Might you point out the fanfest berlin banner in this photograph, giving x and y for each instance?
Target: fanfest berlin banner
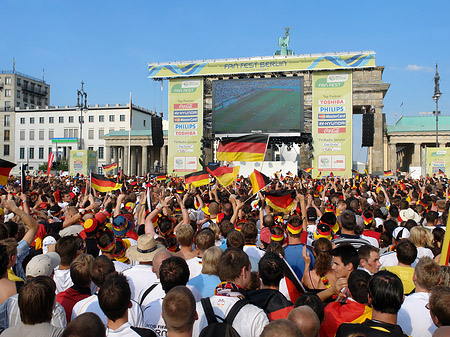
(438, 158)
(262, 64)
(332, 123)
(185, 125)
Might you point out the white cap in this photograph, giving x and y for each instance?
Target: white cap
(43, 264)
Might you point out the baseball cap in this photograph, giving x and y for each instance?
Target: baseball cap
(43, 264)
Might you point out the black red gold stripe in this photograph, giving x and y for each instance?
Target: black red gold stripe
(245, 148)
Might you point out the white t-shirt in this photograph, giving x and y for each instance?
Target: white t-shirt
(195, 266)
(422, 252)
(372, 241)
(62, 279)
(388, 259)
(140, 277)
(254, 251)
(156, 294)
(126, 330)
(414, 318)
(120, 266)
(249, 322)
(90, 304)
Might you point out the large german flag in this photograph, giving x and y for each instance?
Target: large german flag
(259, 181)
(388, 173)
(196, 179)
(225, 175)
(5, 168)
(281, 200)
(103, 184)
(245, 148)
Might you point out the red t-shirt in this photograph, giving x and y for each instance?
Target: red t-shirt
(69, 297)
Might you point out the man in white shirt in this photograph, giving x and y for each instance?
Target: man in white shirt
(68, 248)
(114, 298)
(141, 276)
(234, 272)
(102, 267)
(414, 317)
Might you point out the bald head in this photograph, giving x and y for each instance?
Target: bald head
(306, 320)
(443, 331)
(159, 258)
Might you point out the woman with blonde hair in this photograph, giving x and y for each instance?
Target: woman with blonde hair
(418, 235)
(322, 276)
(207, 281)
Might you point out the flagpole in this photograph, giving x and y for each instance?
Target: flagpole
(267, 144)
(129, 136)
(256, 193)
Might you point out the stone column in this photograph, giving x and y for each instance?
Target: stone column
(162, 158)
(416, 156)
(392, 157)
(377, 149)
(116, 158)
(138, 161)
(133, 160)
(144, 160)
(108, 155)
(125, 160)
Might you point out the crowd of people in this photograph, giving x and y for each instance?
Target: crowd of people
(342, 257)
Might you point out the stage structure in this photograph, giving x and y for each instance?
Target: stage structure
(298, 99)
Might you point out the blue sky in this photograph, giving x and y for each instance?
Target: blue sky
(108, 44)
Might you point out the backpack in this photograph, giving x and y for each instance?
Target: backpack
(223, 328)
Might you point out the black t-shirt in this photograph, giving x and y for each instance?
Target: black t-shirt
(371, 328)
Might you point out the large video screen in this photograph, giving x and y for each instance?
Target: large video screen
(268, 105)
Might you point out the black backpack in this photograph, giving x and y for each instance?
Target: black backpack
(223, 328)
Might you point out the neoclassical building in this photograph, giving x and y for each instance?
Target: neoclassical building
(405, 141)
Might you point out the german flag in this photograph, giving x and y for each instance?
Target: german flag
(365, 170)
(5, 168)
(355, 172)
(109, 167)
(224, 175)
(445, 254)
(161, 178)
(259, 181)
(441, 172)
(103, 184)
(388, 173)
(320, 173)
(280, 200)
(245, 148)
(308, 170)
(196, 179)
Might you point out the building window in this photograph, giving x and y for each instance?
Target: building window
(91, 119)
(41, 134)
(90, 148)
(101, 150)
(122, 118)
(25, 97)
(18, 82)
(91, 134)
(6, 150)
(7, 121)
(66, 133)
(22, 135)
(41, 153)
(22, 153)
(111, 118)
(32, 86)
(7, 80)
(7, 92)
(51, 120)
(101, 118)
(144, 122)
(111, 154)
(22, 120)
(50, 150)
(101, 132)
(61, 119)
(6, 135)
(51, 134)
(75, 133)
(31, 152)
(70, 119)
(41, 120)
(7, 106)
(31, 120)
(31, 134)
(18, 93)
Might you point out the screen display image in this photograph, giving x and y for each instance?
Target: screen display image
(269, 105)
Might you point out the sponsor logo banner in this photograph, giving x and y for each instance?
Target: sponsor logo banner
(332, 122)
(185, 119)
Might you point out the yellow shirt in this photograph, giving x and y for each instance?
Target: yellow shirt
(405, 274)
(13, 277)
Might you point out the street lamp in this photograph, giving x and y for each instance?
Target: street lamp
(81, 106)
(436, 96)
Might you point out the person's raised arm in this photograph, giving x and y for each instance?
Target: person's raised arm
(26, 218)
(239, 205)
(120, 199)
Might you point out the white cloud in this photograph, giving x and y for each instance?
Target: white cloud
(415, 67)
